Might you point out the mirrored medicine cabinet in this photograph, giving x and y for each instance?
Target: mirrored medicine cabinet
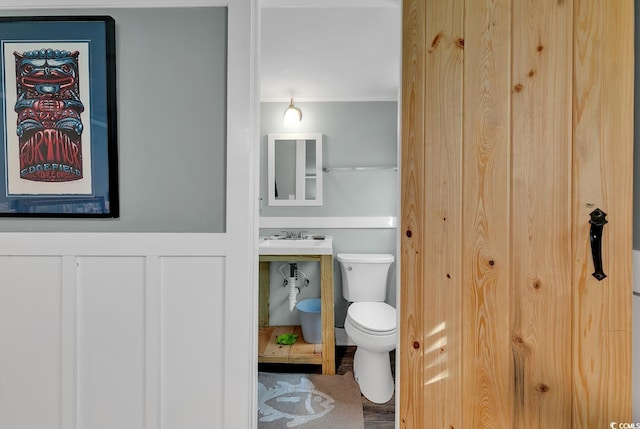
(294, 169)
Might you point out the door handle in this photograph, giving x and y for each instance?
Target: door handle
(598, 220)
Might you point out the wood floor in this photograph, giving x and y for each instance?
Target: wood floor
(376, 416)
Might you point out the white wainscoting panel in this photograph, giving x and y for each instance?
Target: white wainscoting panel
(635, 394)
(635, 331)
(636, 271)
(30, 342)
(192, 313)
(111, 338)
(102, 341)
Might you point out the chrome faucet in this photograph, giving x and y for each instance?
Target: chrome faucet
(290, 235)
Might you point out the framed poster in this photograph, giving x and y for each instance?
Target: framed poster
(58, 121)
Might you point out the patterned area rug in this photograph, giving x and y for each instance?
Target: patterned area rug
(309, 401)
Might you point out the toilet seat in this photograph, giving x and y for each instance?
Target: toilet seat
(373, 318)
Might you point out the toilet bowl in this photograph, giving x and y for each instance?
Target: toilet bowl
(370, 322)
(372, 328)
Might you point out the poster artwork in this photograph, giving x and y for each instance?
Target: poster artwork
(49, 124)
(58, 121)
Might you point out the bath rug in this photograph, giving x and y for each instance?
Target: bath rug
(309, 401)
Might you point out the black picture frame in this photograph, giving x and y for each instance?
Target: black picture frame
(59, 127)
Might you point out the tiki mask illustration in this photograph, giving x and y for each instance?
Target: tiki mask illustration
(49, 125)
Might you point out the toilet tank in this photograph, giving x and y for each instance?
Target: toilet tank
(364, 276)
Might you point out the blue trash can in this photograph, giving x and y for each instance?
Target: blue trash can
(310, 320)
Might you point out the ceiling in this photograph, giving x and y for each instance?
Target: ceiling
(330, 50)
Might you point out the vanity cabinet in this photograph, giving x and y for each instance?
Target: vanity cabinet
(300, 352)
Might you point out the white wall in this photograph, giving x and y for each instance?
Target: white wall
(636, 359)
(140, 330)
(636, 336)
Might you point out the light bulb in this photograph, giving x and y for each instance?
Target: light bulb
(292, 116)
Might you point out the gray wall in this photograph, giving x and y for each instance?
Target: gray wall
(354, 134)
(171, 90)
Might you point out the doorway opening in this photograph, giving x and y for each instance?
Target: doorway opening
(341, 66)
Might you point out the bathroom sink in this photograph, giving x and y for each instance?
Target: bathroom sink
(276, 245)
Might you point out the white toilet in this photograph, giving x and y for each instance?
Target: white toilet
(370, 322)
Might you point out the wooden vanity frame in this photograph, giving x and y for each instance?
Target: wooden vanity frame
(301, 352)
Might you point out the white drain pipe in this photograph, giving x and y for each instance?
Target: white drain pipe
(293, 282)
(294, 290)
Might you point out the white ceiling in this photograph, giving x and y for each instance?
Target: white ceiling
(330, 50)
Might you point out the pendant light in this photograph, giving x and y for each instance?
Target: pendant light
(292, 116)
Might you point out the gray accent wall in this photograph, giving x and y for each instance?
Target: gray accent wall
(355, 134)
(171, 92)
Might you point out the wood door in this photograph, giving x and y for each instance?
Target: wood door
(517, 122)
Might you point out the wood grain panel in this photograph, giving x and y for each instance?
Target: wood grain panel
(263, 293)
(327, 316)
(513, 326)
(327, 303)
(412, 205)
(540, 213)
(603, 143)
(487, 362)
(431, 213)
(300, 352)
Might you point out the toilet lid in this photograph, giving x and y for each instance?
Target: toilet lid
(373, 317)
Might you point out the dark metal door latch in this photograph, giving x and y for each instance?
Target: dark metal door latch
(598, 220)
